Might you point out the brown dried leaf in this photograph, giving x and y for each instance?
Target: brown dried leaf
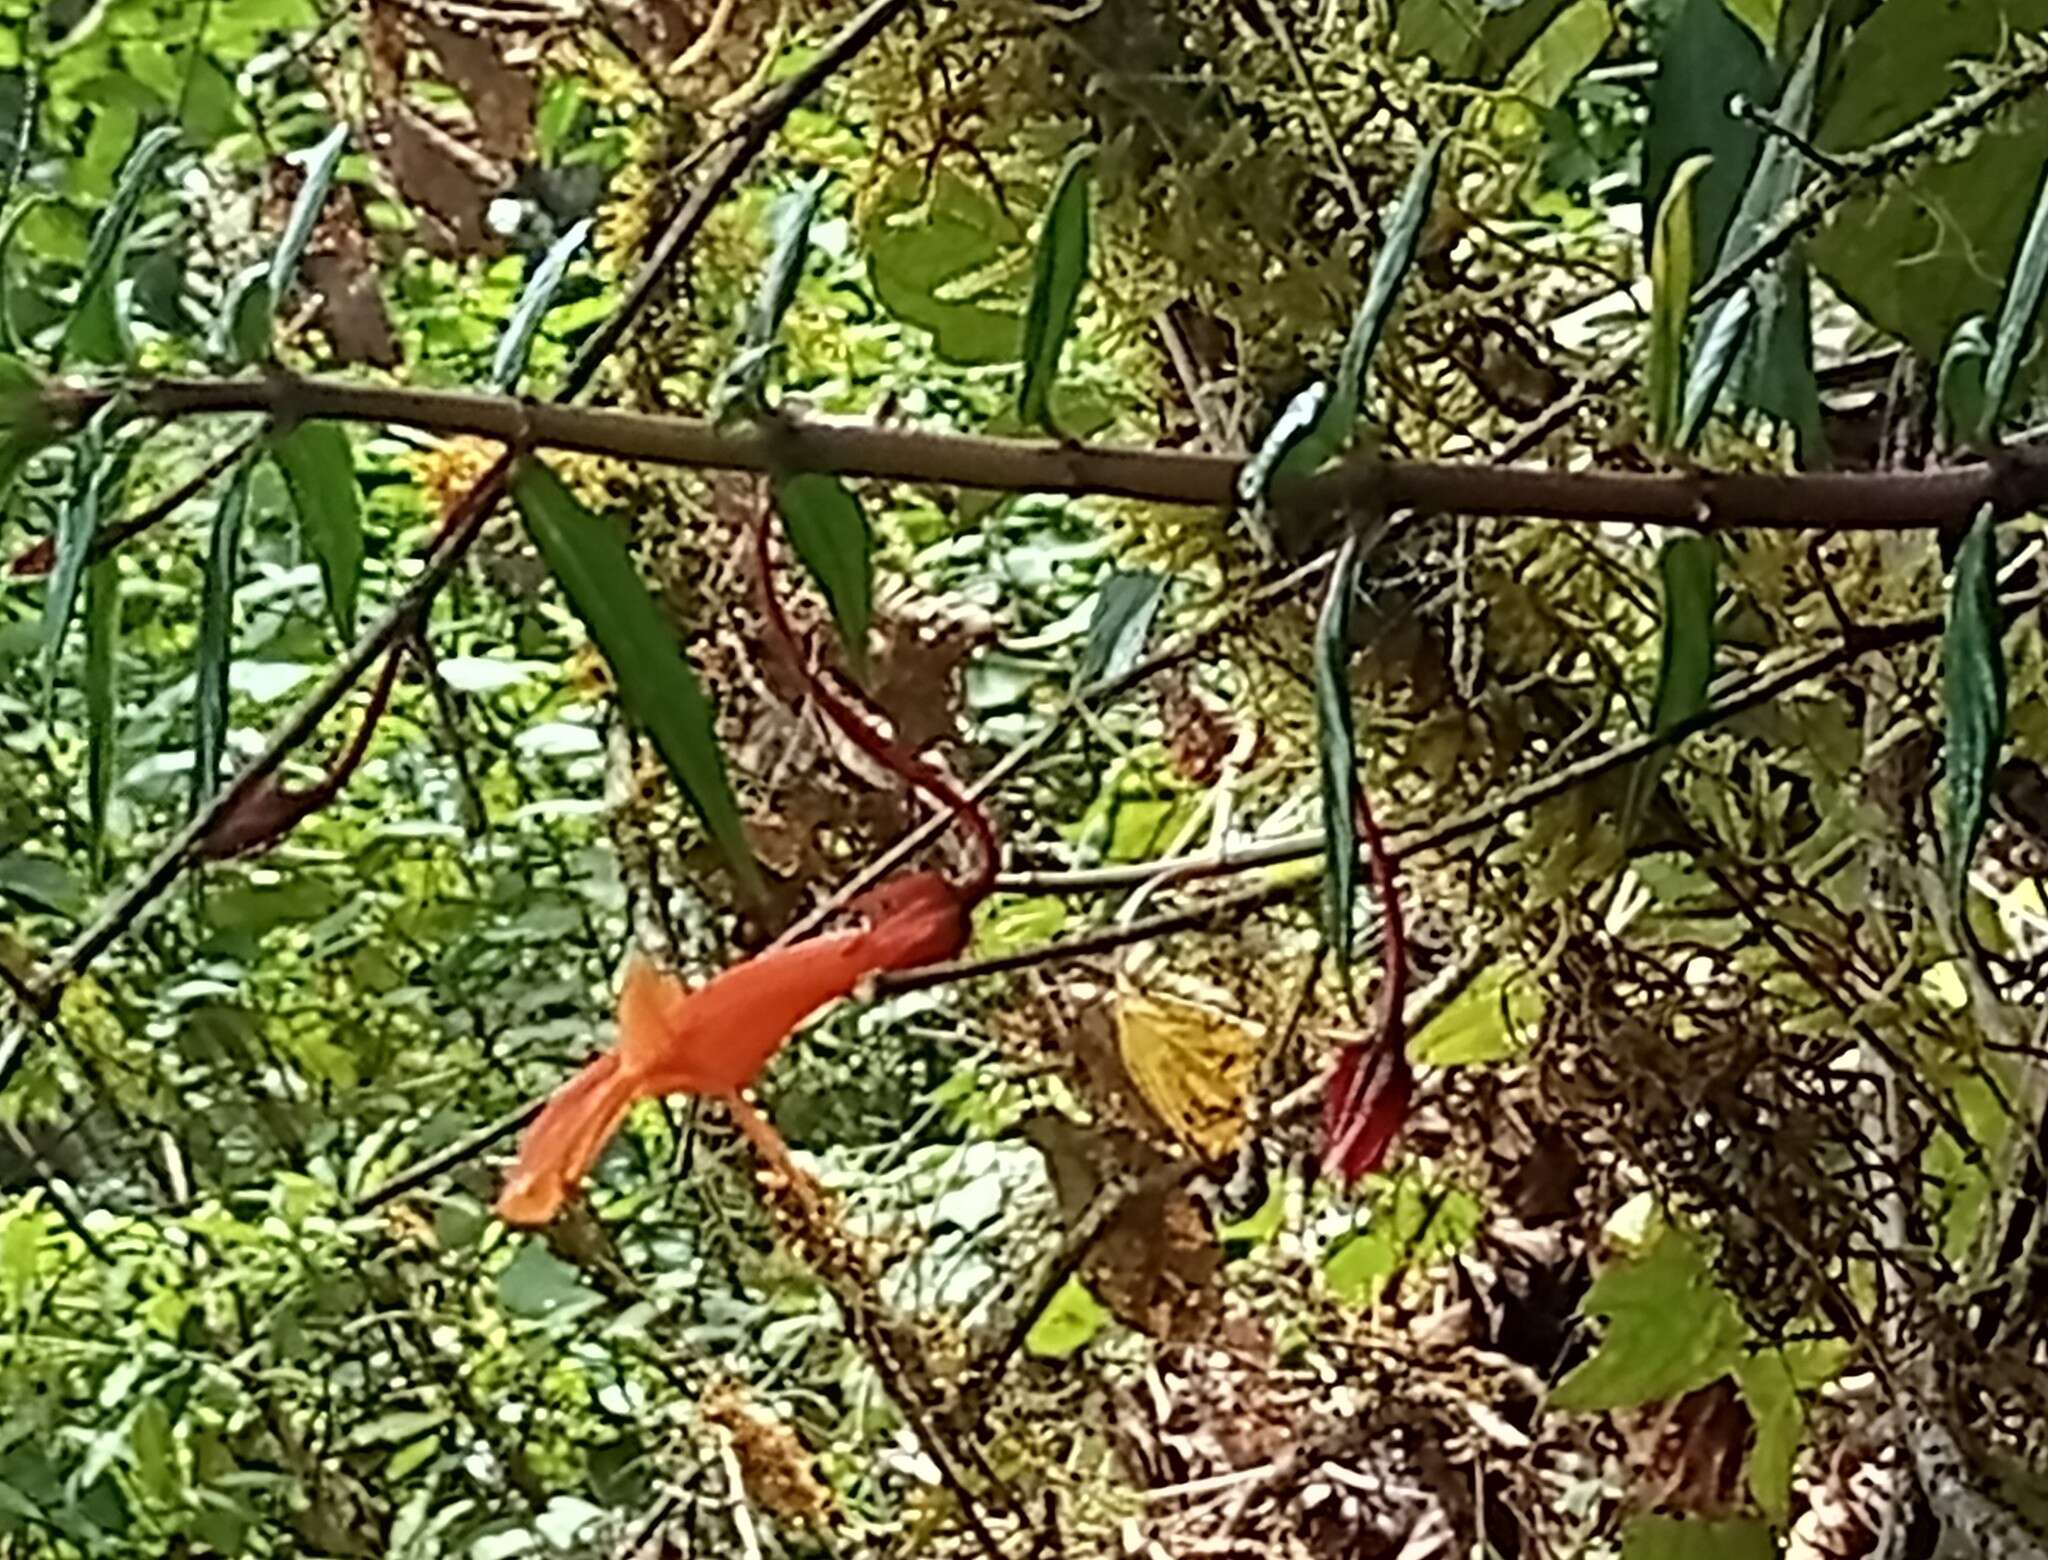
(1156, 1261)
(1198, 735)
(501, 96)
(917, 681)
(438, 173)
(352, 308)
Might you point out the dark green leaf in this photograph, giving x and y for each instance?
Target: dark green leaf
(102, 649)
(1918, 254)
(658, 688)
(242, 332)
(42, 884)
(1973, 688)
(1901, 62)
(927, 248)
(1124, 610)
(1697, 1538)
(536, 1284)
(1339, 416)
(1959, 397)
(216, 624)
(1470, 40)
(1705, 58)
(1061, 268)
(2017, 311)
(791, 227)
(1721, 335)
(98, 466)
(1297, 420)
(1671, 279)
(508, 363)
(320, 471)
(1688, 566)
(830, 532)
(1669, 1331)
(1337, 748)
(305, 214)
(97, 333)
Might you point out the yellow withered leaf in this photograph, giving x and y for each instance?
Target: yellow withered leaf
(1192, 1062)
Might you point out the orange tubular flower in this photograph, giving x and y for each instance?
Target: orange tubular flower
(717, 1038)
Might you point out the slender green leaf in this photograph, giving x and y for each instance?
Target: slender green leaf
(102, 649)
(216, 623)
(655, 682)
(1296, 422)
(1959, 398)
(321, 162)
(1062, 266)
(320, 471)
(1671, 277)
(1689, 567)
(1339, 416)
(508, 363)
(1337, 747)
(1973, 687)
(1124, 610)
(745, 381)
(97, 332)
(1721, 338)
(830, 532)
(98, 465)
(242, 331)
(2017, 311)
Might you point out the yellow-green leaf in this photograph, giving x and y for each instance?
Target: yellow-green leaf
(1062, 267)
(1671, 279)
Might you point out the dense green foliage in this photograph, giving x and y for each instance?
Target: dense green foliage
(1720, 847)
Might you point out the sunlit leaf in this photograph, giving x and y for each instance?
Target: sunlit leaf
(588, 556)
(930, 247)
(1481, 1024)
(1689, 567)
(1721, 337)
(1959, 398)
(1070, 1320)
(1122, 617)
(1669, 1330)
(1061, 268)
(1973, 689)
(319, 469)
(1671, 279)
(508, 363)
(830, 532)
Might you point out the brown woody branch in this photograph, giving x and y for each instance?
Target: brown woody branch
(1693, 500)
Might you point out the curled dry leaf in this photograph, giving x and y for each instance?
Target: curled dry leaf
(501, 96)
(452, 185)
(1156, 1262)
